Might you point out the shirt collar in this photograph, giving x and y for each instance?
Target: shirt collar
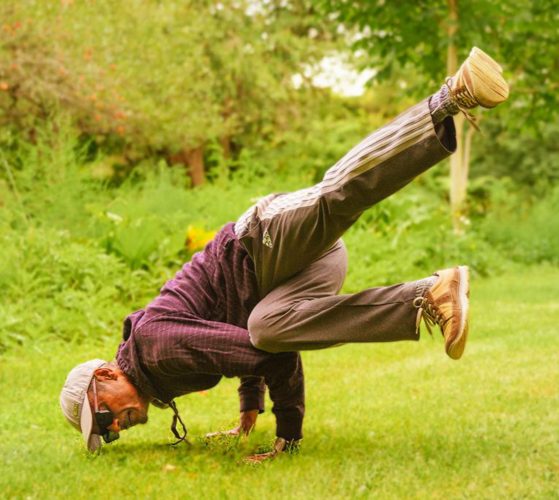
(128, 360)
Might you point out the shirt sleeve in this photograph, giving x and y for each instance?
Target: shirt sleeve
(252, 391)
(174, 347)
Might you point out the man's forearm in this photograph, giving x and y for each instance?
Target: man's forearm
(284, 377)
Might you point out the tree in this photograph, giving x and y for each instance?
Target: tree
(422, 34)
(167, 77)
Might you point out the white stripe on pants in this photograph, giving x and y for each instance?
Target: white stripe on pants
(285, 233)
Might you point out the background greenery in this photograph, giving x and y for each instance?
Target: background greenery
(107, 111)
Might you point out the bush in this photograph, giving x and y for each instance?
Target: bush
(81, 253)
(409, 236)
(57, 288)
(528, 234)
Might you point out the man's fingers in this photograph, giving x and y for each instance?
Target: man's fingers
(259, 458)
(232, 432)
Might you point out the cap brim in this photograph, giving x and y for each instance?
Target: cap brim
(92, 441)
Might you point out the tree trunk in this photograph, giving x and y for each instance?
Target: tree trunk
(225, 142)
(458, 176)
(458, 161)
(193, 159)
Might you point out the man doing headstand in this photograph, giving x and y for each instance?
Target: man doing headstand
(266, 287)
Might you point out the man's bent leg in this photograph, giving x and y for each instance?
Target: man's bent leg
(304, 313)
(285, 234)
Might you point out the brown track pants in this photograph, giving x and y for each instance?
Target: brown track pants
(300, 262)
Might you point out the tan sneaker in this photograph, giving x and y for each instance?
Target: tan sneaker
(479, 81)
(446, 304)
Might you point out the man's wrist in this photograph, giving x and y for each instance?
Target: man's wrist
(251, 398)
(251, 404)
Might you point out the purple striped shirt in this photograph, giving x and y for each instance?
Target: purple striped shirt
(195, 332)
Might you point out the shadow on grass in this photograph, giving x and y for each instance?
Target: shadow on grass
(409, 448)
(222, 449)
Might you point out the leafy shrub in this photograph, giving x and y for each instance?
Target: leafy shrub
(528, 234)
(529, 158)
(80, 253)
(49, 182)
(409, 236)
(57, 288)
(163, 76)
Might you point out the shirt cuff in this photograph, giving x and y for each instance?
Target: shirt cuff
(289, 427)
(252, 401)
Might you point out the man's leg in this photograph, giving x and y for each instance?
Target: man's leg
(285, 233)
(304, 312)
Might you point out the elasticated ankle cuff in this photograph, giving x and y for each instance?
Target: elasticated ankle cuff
(441, 105)
(423, 285)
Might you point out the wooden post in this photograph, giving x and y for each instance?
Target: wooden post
(459, 160)
(193, 160)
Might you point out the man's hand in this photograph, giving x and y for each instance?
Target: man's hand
(280, 446)
(247, 422)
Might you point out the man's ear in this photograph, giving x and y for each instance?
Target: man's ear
(105, 373)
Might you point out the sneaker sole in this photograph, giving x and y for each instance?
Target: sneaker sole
(456, 348)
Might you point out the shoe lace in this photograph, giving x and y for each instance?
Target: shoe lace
(430, 314)
(462, 98)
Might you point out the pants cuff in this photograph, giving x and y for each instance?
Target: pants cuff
(423, 285)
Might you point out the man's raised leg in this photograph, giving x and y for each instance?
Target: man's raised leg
(286, 234)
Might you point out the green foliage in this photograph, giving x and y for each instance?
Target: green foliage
(306, 150)
(80, 253)
(165, 76)
(407, 42)
(521, 34)
(525, 234)
(57, 288)
(410, 236)
(530, 160)
(47, 179)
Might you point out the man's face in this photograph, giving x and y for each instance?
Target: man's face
(117, 394)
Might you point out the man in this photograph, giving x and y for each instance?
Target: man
(266, 287)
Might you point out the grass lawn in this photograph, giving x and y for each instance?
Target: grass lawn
(383, 421)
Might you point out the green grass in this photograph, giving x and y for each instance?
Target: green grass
(383, 421)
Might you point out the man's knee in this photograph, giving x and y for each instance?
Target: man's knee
(262, 333)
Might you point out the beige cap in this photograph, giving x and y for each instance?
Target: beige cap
(74, 402)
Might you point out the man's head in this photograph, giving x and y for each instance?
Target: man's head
(115, 396)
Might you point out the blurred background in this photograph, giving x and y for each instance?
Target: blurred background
(131, 131)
